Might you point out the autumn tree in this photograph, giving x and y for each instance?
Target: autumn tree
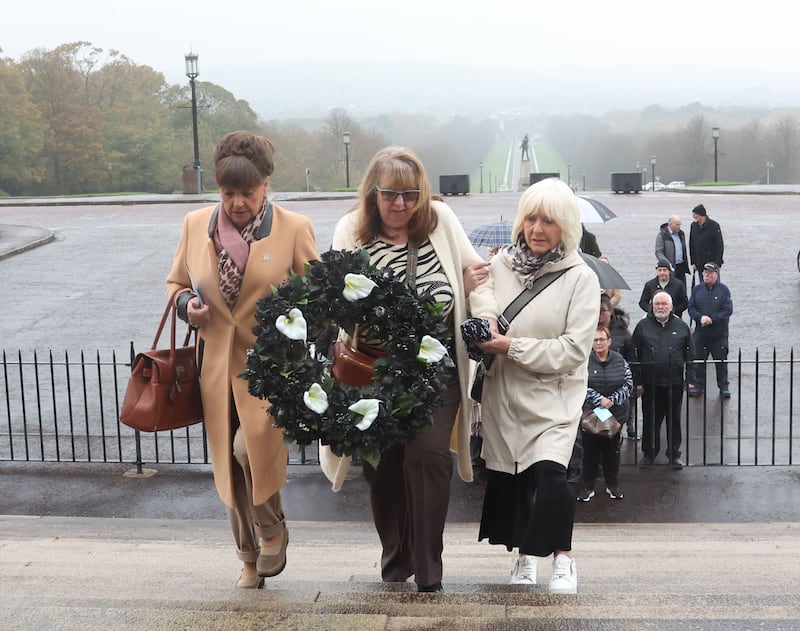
(21, 133)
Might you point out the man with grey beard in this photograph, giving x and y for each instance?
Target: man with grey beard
(663, 352)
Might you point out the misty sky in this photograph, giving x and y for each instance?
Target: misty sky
(678, 51)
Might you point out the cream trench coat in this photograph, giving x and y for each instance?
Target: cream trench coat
(285, 242)
(455, 253)
(533, 396)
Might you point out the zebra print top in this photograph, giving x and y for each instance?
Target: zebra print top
(430, 276)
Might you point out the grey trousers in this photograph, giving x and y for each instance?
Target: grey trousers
(249, 522)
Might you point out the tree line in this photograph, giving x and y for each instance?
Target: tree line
(79, 120)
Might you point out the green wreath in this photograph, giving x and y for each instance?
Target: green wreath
(343, 289)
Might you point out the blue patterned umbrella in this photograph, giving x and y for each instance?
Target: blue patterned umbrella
(491, 235)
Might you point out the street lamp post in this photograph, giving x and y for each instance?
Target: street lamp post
(481, 177)
(569, 179)
(346, 139)
(715, 136)
(769, 166)
(653, 171)
(192, 73)
(583, 175)
(644, 168)
(308, 172)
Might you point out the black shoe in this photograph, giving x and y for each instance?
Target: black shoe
(436, 587)
(725, 392)
(676, 463)
(646, 461)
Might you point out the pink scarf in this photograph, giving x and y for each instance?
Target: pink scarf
(233, 249)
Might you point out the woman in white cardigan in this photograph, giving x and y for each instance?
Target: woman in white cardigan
(410, 489)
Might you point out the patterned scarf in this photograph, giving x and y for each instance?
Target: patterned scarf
(525, 265)
(233, 248)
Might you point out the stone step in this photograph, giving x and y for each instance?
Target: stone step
(87, 573)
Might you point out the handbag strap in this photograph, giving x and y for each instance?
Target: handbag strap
(170, 308)
(411, 267)
(525, 296)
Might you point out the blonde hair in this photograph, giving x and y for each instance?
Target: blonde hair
(556, 201)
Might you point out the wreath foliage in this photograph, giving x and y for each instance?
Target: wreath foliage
(406, 386)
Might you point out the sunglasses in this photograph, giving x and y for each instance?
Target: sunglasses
(389, 195)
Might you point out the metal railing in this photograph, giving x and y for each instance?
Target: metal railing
(67, 410)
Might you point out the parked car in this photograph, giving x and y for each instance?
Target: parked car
(676, 184)
(650, 186)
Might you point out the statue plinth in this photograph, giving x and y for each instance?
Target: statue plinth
(524, 174)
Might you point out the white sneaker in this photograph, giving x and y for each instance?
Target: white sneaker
(565, 576)
(524, 571)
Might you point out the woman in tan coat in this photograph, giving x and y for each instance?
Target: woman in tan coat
(534, 390)
(228, 257)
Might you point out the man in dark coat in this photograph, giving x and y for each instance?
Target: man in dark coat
(663, 348)
(671, 245)
(588, 243)
(705, 240)
(711, 306)
(665, 280)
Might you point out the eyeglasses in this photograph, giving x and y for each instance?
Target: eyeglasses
(597, 340)
(389, 195)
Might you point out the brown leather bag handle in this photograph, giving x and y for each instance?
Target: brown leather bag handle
(170, 308)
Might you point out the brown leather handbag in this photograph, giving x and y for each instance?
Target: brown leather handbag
(163, 392)
(354, 366)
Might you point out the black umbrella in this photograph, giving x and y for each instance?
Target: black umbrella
(609, 277)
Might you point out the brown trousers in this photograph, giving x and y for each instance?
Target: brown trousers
(249, 522)
(410, 493)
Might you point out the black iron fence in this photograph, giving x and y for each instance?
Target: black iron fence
(66, 409)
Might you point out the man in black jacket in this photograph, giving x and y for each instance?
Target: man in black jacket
(705, 240)
(665, 280)
(662, 347)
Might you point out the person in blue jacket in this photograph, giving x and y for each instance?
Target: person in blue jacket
(710, 307)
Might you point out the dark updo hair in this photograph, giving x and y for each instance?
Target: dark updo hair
(243, 160)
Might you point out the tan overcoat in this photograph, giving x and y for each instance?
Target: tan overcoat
(285, 241)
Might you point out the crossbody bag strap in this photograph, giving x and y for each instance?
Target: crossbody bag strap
(539, 285)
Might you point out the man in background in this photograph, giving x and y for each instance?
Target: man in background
(705, 241)
(671, 245)
(665, 280)
(663, 352)
(711, 306)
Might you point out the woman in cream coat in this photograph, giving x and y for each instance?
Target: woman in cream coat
(534, 391)
(233, 252)
(410, 489)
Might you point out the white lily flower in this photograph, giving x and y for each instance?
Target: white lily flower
(368, 408)
(316, 399)
(293, 325)
(431, 350)
(357, 286)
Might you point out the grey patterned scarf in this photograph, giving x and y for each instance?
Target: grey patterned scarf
(525, 265)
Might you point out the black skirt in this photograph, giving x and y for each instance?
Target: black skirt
(533, 510)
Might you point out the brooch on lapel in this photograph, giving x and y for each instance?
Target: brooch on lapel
(266, 257)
